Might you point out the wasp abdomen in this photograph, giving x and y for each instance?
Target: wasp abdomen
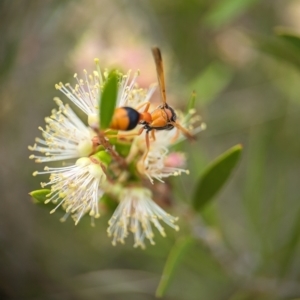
(125, 118)
(134, 117)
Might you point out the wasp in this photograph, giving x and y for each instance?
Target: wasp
(162, 118)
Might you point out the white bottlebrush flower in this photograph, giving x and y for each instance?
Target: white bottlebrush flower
(157, 164)
(77, 188)
(136, 213)
(86, 94)
(190, 121)
(65, 136)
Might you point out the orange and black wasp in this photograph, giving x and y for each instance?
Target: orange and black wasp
(162, 118)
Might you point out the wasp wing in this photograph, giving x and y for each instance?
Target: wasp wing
(160, 72)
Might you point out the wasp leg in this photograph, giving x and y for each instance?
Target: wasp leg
(184, 131)
(126, 135)
(131, 134)
(147, 140)
(146, 104)
(175, 137)
(147, 146)
(153, 135)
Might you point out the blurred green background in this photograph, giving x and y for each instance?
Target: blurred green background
(246, 76)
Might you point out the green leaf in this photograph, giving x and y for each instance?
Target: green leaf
(226, 10)
(289, 36)
(192, 101)
(175, 256)
(278, 48)
(290, 248)
(214, 176)
(123, 148)
(39, 196)
(209, 215)
(109, 202)
(103, 156)
(211, 82)
(108, 100)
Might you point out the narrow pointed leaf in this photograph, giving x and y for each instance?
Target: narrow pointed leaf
(174, 258)
(39, 196)
(289, 36)
(191, 104)
(278, 48)
(289, 249)
(215, 176)
(108, 100)
(225, 11)
(211, 81)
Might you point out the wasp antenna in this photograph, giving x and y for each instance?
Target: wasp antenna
(160, 72)
(184, 131)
